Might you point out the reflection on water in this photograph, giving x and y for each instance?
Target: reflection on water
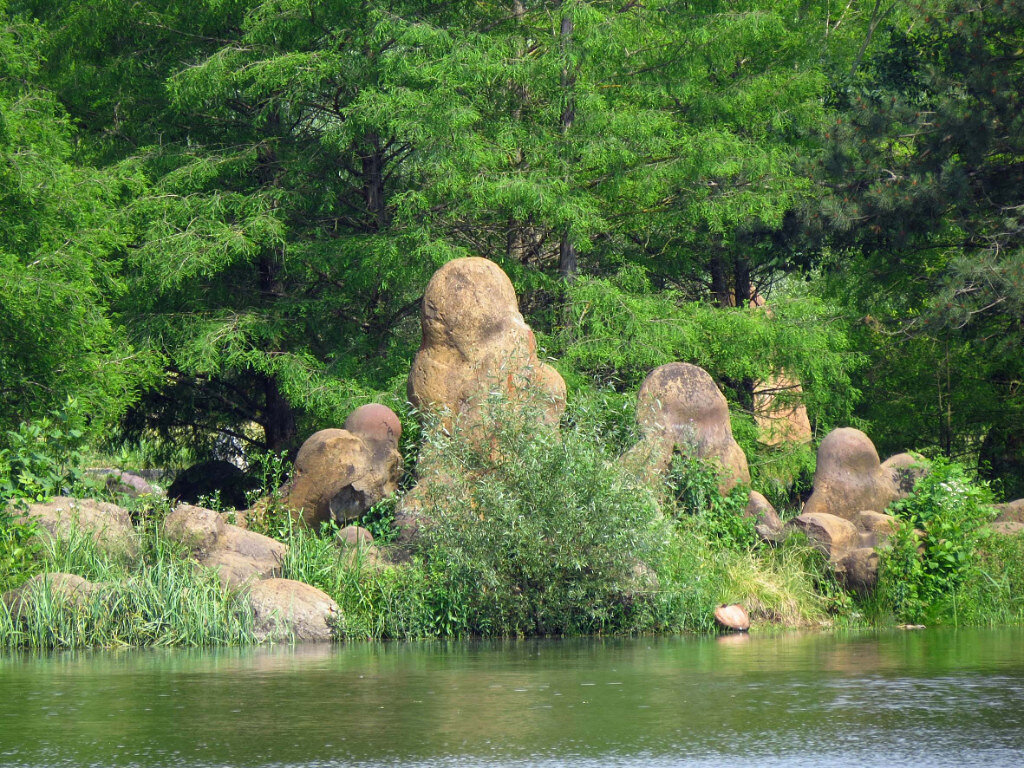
(902, 698)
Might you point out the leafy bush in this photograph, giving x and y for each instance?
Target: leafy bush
(40, 459)
(693, 487)
(533, 532)
(935, 548)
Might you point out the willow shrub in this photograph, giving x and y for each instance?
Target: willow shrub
(534, 531)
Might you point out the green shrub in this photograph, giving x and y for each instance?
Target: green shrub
(935, 549)
(693, 488)
(533, 532)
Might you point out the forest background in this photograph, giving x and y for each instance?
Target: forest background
(217, 218)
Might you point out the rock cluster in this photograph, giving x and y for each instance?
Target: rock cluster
(239, 556)
(341, 473)
(475, 342)
(850, 545)
(680, 408)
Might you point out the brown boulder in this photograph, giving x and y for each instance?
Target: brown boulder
(905, 469)
(835, 536)
(849, 477)
(767, 522)
(732, 617)
(108, 525)
(858, 569)
(475, 342)
(236, 554)
(1010, 512)
(680, 408)
(66, 588)
(339, 474)
(354, 536)
(875, 527)
(286, 610)
(376, 423)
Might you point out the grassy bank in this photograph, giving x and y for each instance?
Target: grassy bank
(536, 532)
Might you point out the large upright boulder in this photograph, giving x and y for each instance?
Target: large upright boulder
(108, 525)
(341, 473)
(849, 478)
(476, 342)
(680, 408)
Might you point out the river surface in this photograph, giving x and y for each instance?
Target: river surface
(928, 698)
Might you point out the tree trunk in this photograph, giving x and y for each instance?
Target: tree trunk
(276, 417)
(741, 278)
(372, 157)
(719, 280)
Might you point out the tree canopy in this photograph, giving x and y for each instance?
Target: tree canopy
(218, 217)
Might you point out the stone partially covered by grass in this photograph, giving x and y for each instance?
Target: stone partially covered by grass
(157, 599)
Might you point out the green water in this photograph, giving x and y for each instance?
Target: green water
(929, 698)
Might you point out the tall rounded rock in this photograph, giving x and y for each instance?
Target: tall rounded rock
(849, 478)
(476, 342)
(341, 473)
(680, 408)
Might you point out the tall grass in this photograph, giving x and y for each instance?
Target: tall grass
(160, 599)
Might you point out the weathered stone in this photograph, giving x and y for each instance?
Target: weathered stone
(354, 536)
(732, 617)
(1011, 511)
(196, 528)
(875, 527)
(835, 536)
(285, 610)
(767, 522)
(375, 423)
(875, 522)
(780, 416)
(209, 479)
(858, 569)
(849, 477)
(905, 469)
(475, 342)
(128, 484)
(66, 588)
(366, 556)
(108, 525)
(236, 554)
(680, 408)
(340, 474)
